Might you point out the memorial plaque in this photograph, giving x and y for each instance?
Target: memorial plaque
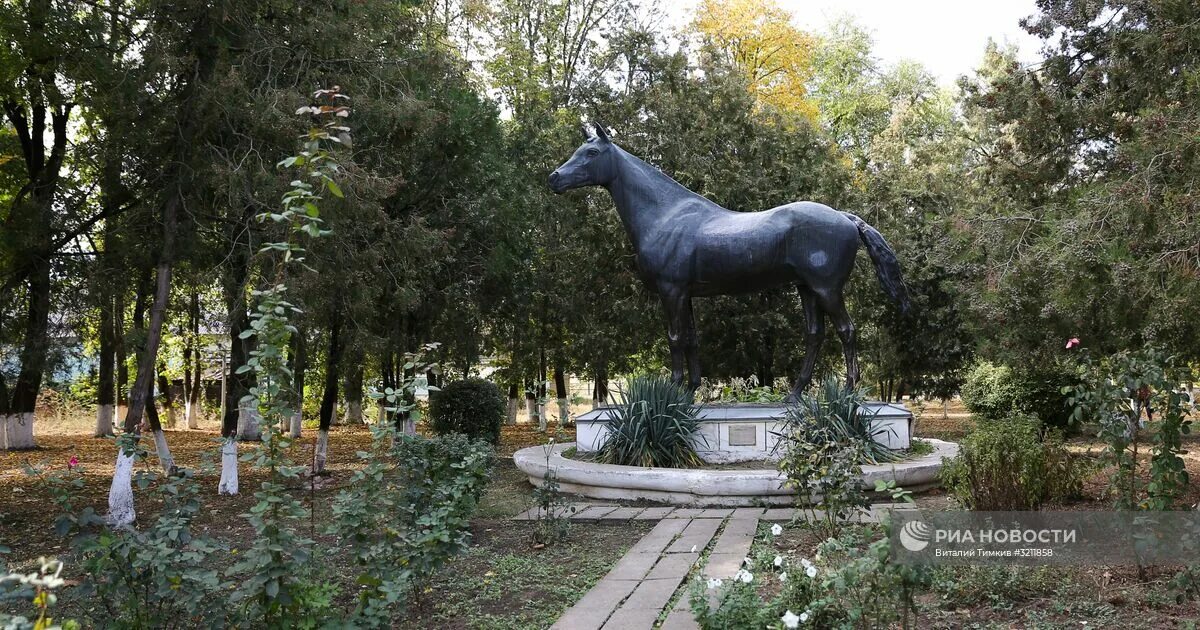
(743, 435)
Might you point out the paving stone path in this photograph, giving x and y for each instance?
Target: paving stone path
(652, 574)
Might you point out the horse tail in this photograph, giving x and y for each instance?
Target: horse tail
(887, 268)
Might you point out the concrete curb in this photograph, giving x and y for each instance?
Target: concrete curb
(707, 487)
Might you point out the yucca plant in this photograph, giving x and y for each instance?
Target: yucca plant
(653, 423)
(834, 413)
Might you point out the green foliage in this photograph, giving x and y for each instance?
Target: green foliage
(993, 392)
(653, 424)
(159, 575)
(474, 407)
(851, 583)
(1008, 465)
(964, 586)
(825, 442)
(553, 517)
(1114, 393)
(405, 513)
(743, 390)
(834, 414)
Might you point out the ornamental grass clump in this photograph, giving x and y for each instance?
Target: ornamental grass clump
(834, 414)
(653, 424)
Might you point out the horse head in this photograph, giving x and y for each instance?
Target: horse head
(592, 164)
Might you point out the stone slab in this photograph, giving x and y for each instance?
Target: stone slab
(651, 594)
(658, 538)
(747, 512)
(686, 513)
(590, 612)
(593, 513)
(716, 513)
(632, 619)
(632, 566)
(723, 565)
(737, 537)
(680, 617)
(675, 565)
(654, 513)
(695, 536)
(622, 514)
(779, 514)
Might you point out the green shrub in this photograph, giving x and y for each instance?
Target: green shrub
(993, 392)
(473, 407)
(653, 424)
(1008, 465)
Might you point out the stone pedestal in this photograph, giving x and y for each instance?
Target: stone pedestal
(749, 431)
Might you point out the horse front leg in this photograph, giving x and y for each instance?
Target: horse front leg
(673, 301)
(691, 345)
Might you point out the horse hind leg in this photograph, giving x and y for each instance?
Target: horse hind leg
(834, 303)
(814, 323)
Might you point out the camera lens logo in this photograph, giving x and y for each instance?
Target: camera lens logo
(915, 535)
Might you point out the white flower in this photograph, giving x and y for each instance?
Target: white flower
(744, 576)
(804, 616)
(776, 529)
(805, 563)
(811, 571)
(790, 620)
(714, 583)
(748, 561)
(783, 576)
(693, 548)
(778, 561)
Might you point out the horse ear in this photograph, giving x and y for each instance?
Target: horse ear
(600, 132)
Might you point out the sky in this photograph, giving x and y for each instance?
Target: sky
(946, 36)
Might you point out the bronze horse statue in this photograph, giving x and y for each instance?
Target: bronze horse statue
(688, 246)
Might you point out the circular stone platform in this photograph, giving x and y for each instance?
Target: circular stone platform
(701, 487)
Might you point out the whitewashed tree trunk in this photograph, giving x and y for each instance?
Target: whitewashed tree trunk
(380, 412)
(104, 420)
(170, 409)
(513, 406)
(354, 414)
(297, 424)
(249, 423)
(229, 464)
(322, 451)
(164, 453)
(542, 419)
(564, 411)
(3, 432)
(531, 409)
(191, 414)
(19, 431)
(120, 495)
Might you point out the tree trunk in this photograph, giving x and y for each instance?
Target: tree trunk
(354, 394)
(164, 388)
(298, 356)
(122, 353)
(514, 402)
(562, 396)
(600, 389)
(235, 385)
(329, 397)
(531, 405)
(193, 375)
(107, 357)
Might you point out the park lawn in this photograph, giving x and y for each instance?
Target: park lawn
(503, 583)
(27, 514)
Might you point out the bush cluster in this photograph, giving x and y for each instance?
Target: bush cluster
(473, 407)
(994, 392)
(1009, 465)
